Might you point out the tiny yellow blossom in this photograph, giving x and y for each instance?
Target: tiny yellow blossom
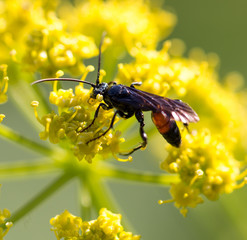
(4, 226)
(66, 225)
(184, 196)
(2, 116)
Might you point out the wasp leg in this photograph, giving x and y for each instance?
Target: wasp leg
(105, 107)
(108, 129)
(135, 84)
(140, 119)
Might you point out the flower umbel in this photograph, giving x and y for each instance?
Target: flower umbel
(106, 227)
(204, 166)
(74, 115)
(66, 225)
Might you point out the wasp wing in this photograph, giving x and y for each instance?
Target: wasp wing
(174, 108)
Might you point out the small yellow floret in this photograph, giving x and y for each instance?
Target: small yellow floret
(5, 226)
(99, 97)
(66, 225)
(2, 116)
(90, 68)
(59, 73)
(34, 103)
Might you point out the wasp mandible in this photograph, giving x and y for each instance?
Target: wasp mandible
(129, 101)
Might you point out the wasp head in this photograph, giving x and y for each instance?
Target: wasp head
(99, 89)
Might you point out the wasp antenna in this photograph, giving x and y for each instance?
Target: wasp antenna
(99, 58)
(63, 79)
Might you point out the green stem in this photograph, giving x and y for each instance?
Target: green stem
(26, 168)
(131, 175)
(100, 194)
(29, 206)
(23, 141)
(85, 201)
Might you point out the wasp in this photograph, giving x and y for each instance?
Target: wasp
(128, 101)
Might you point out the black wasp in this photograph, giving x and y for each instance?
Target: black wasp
(129, 101)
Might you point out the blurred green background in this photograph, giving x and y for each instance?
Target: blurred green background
(215, 26)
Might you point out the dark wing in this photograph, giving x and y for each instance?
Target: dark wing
(174, 108)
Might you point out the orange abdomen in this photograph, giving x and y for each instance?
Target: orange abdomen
(167, 128)
(161, 121)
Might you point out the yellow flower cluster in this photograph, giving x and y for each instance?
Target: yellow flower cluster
(35, 37)
(17, 18)
(50, 47)
(4, 226)
(76, 112)
(205, 166)
(126, 22)
(158, 71)
(106, 227)
(219, 107)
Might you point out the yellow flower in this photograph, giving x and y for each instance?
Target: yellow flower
(2, 116)
(205, 166)
(4, 226)
(66, 225)
(106, 227)
(184, 196)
